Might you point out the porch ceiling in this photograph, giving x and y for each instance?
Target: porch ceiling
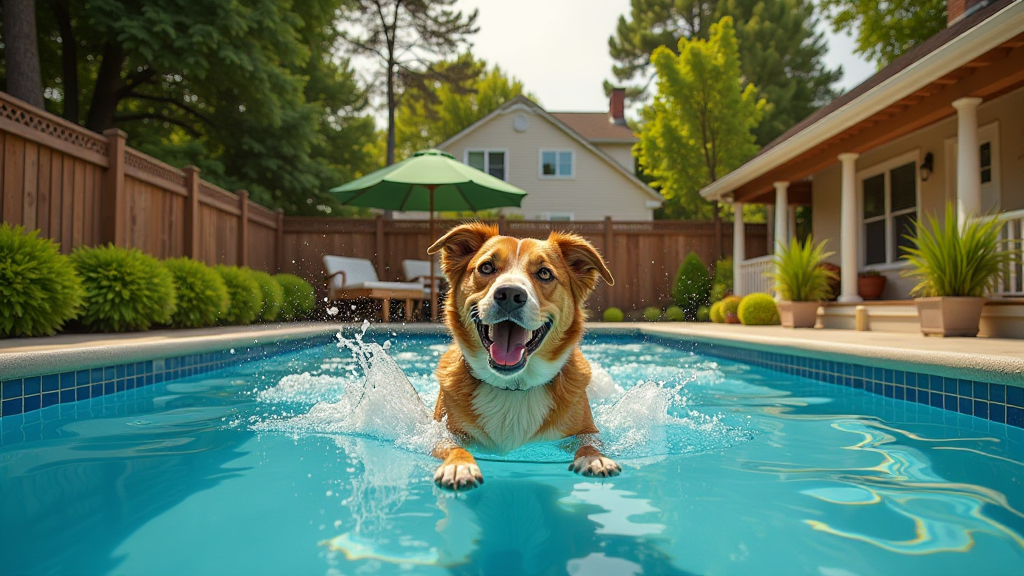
(798, 193)
(997, 72)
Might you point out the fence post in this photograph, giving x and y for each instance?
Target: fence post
(243, 227)
(279, 233)
(379, 247)
(607, 236)
(502, 225)
(192, 212)
(112, 202)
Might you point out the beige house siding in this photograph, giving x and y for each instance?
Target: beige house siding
(621, 153)
(941, 186)
(596, 189)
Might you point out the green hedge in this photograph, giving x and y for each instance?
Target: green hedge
(39, 289)
(722, 283)
(244, 293)
(715, 314)
(758, 309)
(272, 295)
(676, 314)
(692, 286)
(298, 297)
(730, 305)
(202, 294)
(613, 315)
(652, 314)
(124, 289)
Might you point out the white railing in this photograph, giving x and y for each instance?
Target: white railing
(751, 276)
(1012, 284)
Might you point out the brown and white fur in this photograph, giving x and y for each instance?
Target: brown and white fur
(531, 385)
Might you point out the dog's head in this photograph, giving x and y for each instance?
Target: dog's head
(515, 306)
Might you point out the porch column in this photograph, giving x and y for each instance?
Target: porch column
(848, 242)
(739, 248)
(968, 159)
(770, 228)
(781, 214)
(792, 223)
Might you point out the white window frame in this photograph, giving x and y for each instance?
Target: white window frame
(992, 190)
(540, 164)
(884, 168)
(558, 216)
(487, 157)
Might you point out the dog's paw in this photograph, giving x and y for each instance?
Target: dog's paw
(600, 466)
(457, 477)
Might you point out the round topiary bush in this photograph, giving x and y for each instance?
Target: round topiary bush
(703, 314)
(39, 290)
(676, 314)
(244, 295)
(652, 314)
(613, 315)
(730, 308)
(298, 297)
(272, 295)
(758, 309)
(716, 313)
(202, 294)
(124, 289)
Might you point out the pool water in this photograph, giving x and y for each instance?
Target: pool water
(315, 462)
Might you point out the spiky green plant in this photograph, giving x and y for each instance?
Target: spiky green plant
(952, 261)
(798, 275)
(39, 289)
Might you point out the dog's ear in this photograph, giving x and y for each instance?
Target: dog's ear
(458, 246)
(583, 261)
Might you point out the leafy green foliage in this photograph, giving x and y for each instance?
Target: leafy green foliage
(39, 290)
(692, 285)
(202, 294)
(652, 314)
(613, 315)
(246, 300)
(699, 126)
(721, 284)
(886, 30)
(758, 309)
(715, 313)
(703, 314)
(798, 275)
(273, 296)
(125, 289)
(730, 306)
(676, 314)
(298, 297)
(952, 261)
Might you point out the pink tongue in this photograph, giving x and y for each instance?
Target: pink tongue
(508, 343)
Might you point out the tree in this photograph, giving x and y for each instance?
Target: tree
(435, 110)
(22, 51)
(700, 124)
(406, 37)
(886, 30)
(780, 51)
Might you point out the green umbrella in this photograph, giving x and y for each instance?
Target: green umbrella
(430, 180)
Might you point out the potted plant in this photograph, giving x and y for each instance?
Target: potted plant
(956, 267)
(801, 282)
(870, 284)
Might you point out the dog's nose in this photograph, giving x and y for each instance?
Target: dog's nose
(510, 298)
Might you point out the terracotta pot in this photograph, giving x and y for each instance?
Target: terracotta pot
(870, 287)
(798, 314)
(732, 318)
(950, 315)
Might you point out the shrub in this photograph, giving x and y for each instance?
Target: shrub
(716, 313)
(202, 294)
(675, 313)
(244, 295)
(39, 289)
(652, 314)
(730, 306)
(703, 314)
(722, 283)
(692, 286)
(758, 309)
(298, 297)
(124, 289)
(272, 295)
(799, 276)
(613, 315)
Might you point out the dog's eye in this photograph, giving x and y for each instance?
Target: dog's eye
(486, 268)
(545, 275)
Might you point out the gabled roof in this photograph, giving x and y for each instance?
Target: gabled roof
(596, 127)
(524, 102)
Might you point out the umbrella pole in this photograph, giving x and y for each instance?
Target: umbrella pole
(433, 285)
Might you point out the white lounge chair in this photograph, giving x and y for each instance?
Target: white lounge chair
(418, 271)
(354, 278)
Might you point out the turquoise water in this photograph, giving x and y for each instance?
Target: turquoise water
(303, 464)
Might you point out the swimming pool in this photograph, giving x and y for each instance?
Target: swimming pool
(298, 465)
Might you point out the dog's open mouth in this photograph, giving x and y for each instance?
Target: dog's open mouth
(508, 344)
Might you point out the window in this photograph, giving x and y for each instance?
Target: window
(491, 161)
(556, 164)
(888, 210)
(986, 162)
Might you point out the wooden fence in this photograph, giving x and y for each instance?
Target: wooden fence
(82, 189)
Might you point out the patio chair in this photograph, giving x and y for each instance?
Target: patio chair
(354, 278)
(418, 271)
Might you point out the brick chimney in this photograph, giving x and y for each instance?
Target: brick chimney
(617, 105)
(957, 10)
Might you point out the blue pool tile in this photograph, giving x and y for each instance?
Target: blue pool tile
(82, 377)
(11, 407)
(911, 394)
(1015, 416)
(935, 383)
(67, 396)
(966, 406)
(67, 380)
(83, 393)
(51, 383)
(911, 379)
(130, 369)
(108, 387)
(997, 393)
(981, 409)
(949, 402)
(1015, 396)
(32, 402)
(108, 373)
(936, 399)
(965, 388)
(951, 385)
(12, 389)
(33, 385)
(119, 371)
(997, 412)
(97, 390)
(980, 391)
(888, 391)
(900, 392)
(120, 385)
(858, 383)
(50, 398)
(97, 375)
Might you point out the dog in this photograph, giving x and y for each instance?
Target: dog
(514, 373)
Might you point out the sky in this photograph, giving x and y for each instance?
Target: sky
(559, 48)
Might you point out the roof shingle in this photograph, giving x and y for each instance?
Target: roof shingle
(595, 126)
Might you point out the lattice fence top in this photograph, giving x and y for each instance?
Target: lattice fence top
(214, 191)
(154, 167)
(55, 127)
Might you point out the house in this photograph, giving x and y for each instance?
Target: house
(573, 165)
(941, 123)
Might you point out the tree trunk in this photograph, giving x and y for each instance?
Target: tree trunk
(391, 114)
(104, 96)
(22, 51)
(69, 61)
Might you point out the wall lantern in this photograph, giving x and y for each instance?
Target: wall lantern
(927, 166)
